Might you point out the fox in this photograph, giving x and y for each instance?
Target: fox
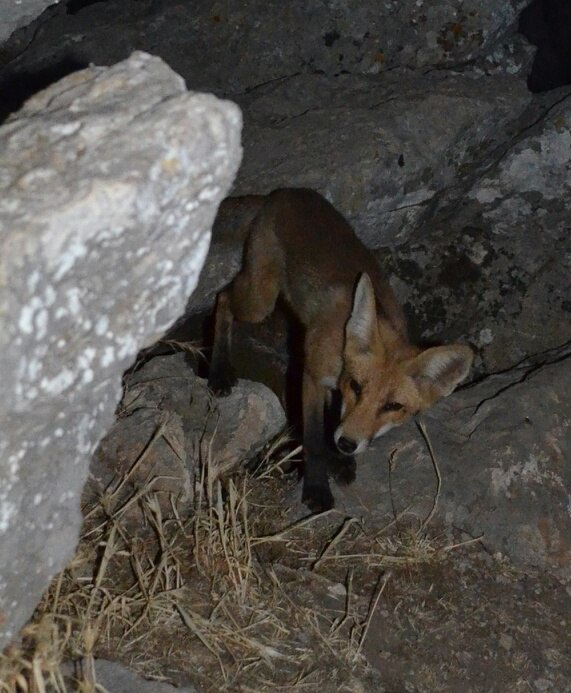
(300, 249)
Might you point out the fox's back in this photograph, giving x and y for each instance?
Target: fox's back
(316, 238)
(322, 256)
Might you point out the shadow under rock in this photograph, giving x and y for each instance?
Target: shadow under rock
(16, 89)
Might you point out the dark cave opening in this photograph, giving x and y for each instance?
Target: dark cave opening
(547, 25)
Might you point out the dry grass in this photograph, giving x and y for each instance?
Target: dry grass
(35, 665)
(230, 598)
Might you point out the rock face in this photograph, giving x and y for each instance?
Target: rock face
(109, 184)
(15, 14)
(390, 146)
(341, 106)
(258, 42)
(495, 268)
(502, 448)
(521, 205)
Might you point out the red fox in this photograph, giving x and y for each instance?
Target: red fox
(300, 248)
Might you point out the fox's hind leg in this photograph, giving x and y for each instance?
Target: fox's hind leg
(222, 377)
(251, 297)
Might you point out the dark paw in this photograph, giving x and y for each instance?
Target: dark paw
(222, 380)
(343, 469)
(317, 498)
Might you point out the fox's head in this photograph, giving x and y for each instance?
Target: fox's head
(381, 385)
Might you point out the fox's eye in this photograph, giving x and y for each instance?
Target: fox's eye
(392, 406)
(354, 385)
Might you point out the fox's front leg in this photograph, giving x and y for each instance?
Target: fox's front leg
(222, 377)
(342, 467)
(316, 492)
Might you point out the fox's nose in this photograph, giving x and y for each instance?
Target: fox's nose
(346, 445)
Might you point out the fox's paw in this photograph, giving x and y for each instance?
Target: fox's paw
(343, 469)
(222, 380)
(318, 498)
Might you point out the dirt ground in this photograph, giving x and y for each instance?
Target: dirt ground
(354, 600)
(252, 594)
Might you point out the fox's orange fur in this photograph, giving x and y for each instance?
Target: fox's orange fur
(300, 248)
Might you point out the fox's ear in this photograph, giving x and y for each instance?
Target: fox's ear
(362, 323)
(437, 371)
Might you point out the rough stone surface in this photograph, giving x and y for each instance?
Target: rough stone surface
(502, 448)
(535, 173)
(16, 14)
(380, 149)
(495, 267)
(169, 423)
(249, 417)
(230, 48)
(521, 207)
(109, 184)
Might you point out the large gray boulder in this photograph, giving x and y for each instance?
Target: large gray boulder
(109, 184)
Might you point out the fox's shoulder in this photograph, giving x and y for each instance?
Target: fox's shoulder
(235, 216)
